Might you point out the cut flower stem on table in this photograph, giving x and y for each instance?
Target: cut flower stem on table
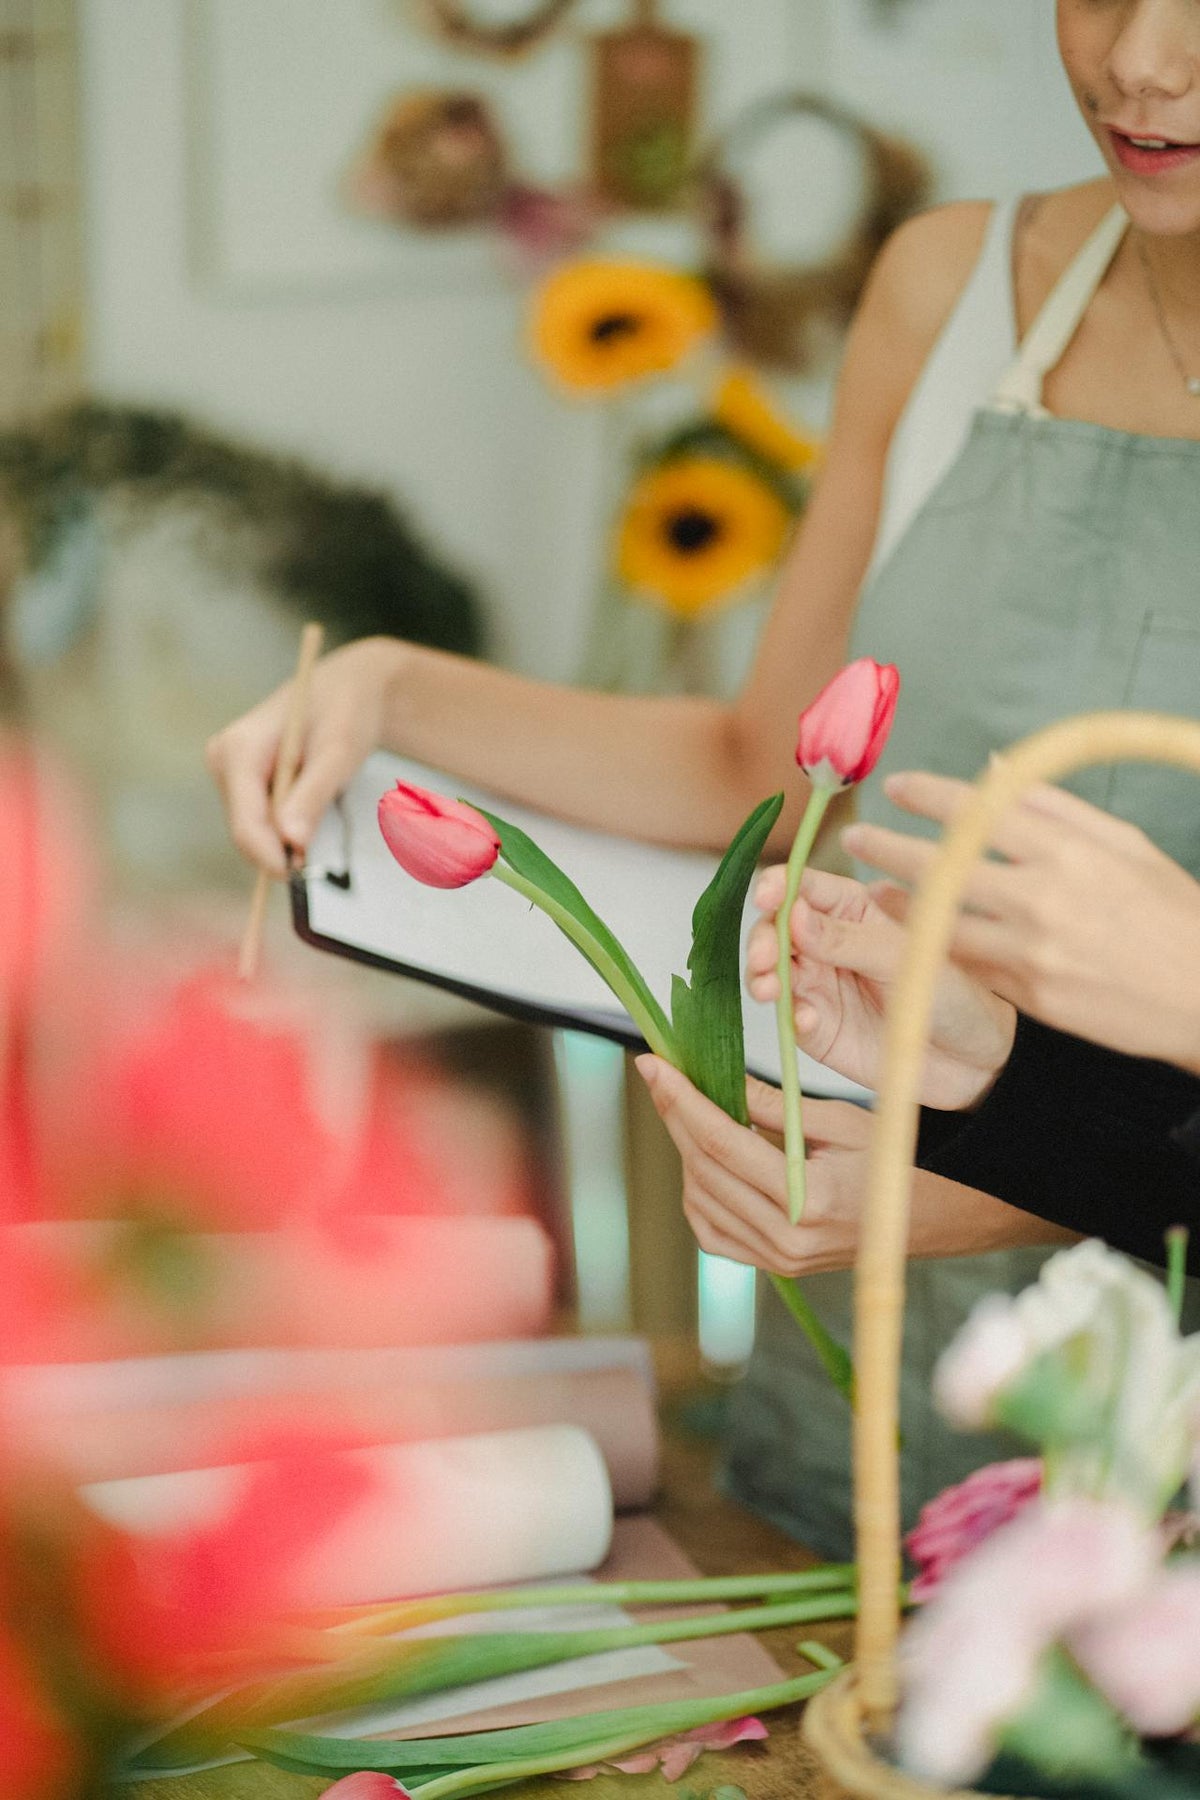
(391, 1670)
(478, 1761)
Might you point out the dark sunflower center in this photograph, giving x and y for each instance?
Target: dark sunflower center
(689, 530)
(611, 327)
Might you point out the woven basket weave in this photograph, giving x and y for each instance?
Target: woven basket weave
(858, 1709)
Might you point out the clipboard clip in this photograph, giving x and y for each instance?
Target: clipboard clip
(338, 877)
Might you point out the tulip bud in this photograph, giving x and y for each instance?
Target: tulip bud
(442, 842)
(843, 732)
(367, 1784)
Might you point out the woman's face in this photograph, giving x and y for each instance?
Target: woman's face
(1134, 67)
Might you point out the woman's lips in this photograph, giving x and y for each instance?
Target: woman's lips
(1147, 155)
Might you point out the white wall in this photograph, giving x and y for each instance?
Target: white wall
(419, 389)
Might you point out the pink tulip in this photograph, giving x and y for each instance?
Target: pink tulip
(368, 1784)
(444, 843)
(961, 1517)
(970, 1658)
(843, 732)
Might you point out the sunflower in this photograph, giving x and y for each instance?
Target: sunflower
(601, 325)
(744, 409)
(695, 530)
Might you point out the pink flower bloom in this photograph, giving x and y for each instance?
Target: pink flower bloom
(444, 843)
(368, 1784)
(970, 1658)
(843, 732)
(962, 1516)
(675, 1755)
(1145, 1657)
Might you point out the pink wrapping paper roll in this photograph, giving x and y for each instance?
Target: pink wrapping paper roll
(374, 1281)
(459, 1514)
(356, 1400)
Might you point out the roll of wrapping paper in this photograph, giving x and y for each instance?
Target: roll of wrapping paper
(363, 1407)
(379, 1281)
(462, 1513)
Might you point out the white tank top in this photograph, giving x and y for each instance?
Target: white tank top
(975, 347)
(976, 361)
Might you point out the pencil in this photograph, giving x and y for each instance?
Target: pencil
(287, 763)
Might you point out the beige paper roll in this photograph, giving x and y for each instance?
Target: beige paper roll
(358, 1404)
(459, 1514)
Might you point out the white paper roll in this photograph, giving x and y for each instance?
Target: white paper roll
(484, 1511)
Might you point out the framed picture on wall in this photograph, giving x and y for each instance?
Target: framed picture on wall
(283, 94)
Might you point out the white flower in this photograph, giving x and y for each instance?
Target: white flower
(970, 1657)
(1092, 1354)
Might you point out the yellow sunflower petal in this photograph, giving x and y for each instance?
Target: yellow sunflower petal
(696, 530)
(602, 325)
(746, 410)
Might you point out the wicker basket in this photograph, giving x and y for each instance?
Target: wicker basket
(856, 1711)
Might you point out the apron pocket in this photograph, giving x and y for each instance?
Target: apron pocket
(1164, 802)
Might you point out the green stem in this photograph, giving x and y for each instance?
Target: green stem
(834, 1359)
(1177, 1249)
(793, 1121)
(383, 1620)
(650, 1019)
(736, 1706)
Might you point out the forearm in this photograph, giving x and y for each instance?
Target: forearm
(672, 770)
(950, 1219)
(1082, 1136)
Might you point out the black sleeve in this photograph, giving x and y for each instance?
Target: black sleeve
(1082, 1136)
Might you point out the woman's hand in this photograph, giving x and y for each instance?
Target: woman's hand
(735, 1185)
(735, 1181)
(349, 697)
(846, 951)
(1086, 925)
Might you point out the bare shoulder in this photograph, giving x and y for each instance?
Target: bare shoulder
(915, 284)
(925, 264)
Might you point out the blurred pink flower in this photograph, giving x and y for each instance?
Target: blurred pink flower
(961, 1517)
(970, 1658)
(675, 1755)
(368, 1784)
(1145, 1657)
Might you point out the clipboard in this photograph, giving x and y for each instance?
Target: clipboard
(485, 943)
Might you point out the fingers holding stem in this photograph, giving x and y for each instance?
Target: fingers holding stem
(793, 1121)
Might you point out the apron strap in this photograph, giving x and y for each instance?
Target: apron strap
(1020, 388)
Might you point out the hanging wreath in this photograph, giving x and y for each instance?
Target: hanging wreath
(453, 22)
(770, 312)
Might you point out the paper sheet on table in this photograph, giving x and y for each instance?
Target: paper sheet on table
(642, 1551)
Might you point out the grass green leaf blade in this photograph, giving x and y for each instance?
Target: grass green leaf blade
(430, 1665)
(557, 893)
(564, 1743)
(707, 1013)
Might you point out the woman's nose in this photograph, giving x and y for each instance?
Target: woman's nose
(1157, 52)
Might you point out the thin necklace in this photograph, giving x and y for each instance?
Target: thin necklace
(1190, 382)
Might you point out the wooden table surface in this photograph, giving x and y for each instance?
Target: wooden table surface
(722, 1539)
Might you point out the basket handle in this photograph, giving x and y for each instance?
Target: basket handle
(1048, 755)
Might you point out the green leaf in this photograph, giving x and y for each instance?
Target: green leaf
(545, 883)
(430, 1665)
(564, 1742)
(707, 1015)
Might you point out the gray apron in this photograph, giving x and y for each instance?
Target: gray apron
(1054, 569)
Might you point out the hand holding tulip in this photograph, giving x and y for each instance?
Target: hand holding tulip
(845, 954)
